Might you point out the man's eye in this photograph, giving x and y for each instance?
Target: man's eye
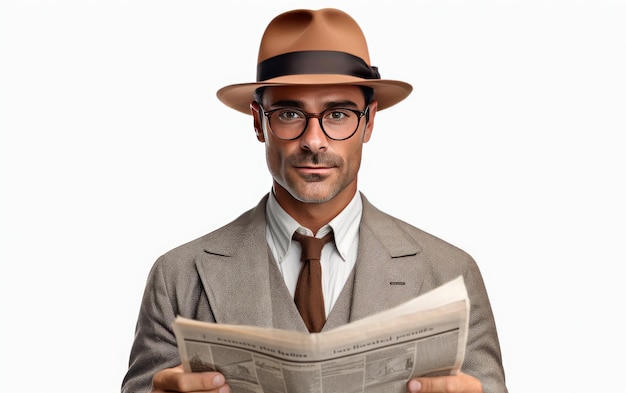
(289, 115)
(337, 115)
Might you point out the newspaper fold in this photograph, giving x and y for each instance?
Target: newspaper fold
(425, 336)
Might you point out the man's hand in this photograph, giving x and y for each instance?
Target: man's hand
(176, 380)
(461, 383)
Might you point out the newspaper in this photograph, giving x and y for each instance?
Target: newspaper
(425, 336)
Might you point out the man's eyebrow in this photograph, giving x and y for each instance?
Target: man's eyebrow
(341, 104)
(327, 105)
(288, 103)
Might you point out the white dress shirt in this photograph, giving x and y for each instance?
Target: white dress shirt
(338, 257)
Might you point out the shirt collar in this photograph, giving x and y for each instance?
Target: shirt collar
(345, 226)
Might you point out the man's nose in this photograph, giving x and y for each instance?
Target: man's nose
(314, 138)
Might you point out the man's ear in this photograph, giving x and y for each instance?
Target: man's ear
(369, 127)
(257, 116)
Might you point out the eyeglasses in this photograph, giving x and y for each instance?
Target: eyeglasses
(337, 123)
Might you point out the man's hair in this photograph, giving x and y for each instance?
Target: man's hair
(368, 94)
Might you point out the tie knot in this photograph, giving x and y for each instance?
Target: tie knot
(312, 246)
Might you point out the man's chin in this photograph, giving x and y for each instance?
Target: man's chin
(316, 199)
(313, 196)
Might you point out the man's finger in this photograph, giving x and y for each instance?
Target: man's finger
(176, 380)
(461, 383)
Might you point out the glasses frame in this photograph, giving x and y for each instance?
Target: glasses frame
(319, 116)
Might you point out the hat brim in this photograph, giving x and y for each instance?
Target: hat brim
(386, 92)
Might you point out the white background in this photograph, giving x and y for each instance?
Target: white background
(114, 150)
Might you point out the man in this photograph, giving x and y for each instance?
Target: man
(313, 106)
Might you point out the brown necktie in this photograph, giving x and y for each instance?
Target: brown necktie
(309, 297)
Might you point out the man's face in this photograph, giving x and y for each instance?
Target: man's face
(313, 168)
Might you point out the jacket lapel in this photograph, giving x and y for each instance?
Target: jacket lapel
(241, 279)
(390, 268)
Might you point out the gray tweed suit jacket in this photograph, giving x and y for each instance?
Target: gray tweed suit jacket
(223, 277)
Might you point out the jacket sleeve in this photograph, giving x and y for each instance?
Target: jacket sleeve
(482, 357)
(173, 288)
(154, 347)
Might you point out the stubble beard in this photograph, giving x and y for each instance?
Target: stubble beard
(315, 188)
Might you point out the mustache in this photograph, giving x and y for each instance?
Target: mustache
(309, 159)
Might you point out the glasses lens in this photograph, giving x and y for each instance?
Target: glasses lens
(287, 123)
(337, 123)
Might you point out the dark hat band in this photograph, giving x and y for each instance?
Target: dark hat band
(315, 62)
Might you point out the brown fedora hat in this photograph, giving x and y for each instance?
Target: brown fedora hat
(314, 47)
